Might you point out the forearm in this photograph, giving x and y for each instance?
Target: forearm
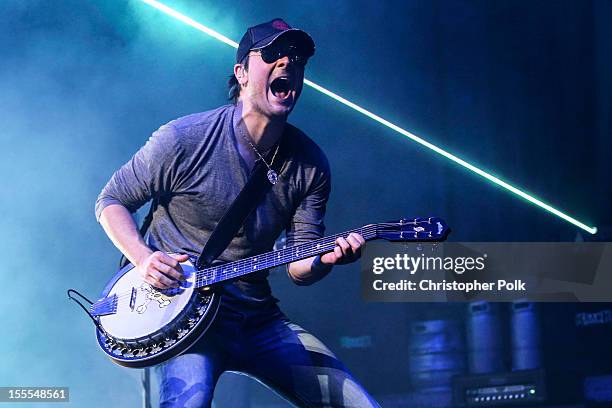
(123, 232)
(308, 271)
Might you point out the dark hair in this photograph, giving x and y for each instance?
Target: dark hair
(233, 85)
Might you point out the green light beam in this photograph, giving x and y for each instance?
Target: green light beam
(514, 190)
(190, 22)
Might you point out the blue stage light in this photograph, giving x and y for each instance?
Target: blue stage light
(518, 192)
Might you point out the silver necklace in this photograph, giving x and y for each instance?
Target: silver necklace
(272, 175)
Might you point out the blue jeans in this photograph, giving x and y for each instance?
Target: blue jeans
(267, 346)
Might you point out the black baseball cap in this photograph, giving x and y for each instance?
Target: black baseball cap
(262, 35)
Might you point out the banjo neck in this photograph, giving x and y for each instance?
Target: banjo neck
(232, 270)
(417, 229)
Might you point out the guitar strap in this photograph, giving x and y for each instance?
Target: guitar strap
(247, 200)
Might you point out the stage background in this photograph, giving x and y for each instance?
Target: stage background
(521, 89)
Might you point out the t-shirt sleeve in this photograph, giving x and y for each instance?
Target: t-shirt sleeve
(150, 173)
(307, 222)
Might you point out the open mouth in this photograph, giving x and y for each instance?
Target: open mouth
(281, 87)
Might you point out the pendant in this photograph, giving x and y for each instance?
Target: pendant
(272, 176)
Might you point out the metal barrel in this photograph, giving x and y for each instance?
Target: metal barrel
(437, 353)
(525, 336)
(485, 343)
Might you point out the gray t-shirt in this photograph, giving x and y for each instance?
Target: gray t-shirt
(193, 168)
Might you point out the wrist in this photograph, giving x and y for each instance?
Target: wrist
(142, 255)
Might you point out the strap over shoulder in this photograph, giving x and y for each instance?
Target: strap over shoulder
(247, 200)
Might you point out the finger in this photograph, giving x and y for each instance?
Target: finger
(180, 257)
(353, 242)
(150, 279)
(166, 259)
(355, 247)
(155, 283)
(161, 281)
(359, 237)
(346, 247)
(167, 270)
(329, 258)
(338, 253)
(173, 261)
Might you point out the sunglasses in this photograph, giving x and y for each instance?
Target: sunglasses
(274, 52)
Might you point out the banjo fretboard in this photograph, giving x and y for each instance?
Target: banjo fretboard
(231, 270)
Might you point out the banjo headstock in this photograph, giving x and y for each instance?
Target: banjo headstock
(413, 229)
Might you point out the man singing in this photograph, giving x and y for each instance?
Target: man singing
(193, 168)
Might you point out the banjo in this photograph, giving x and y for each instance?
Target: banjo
(138, 325)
